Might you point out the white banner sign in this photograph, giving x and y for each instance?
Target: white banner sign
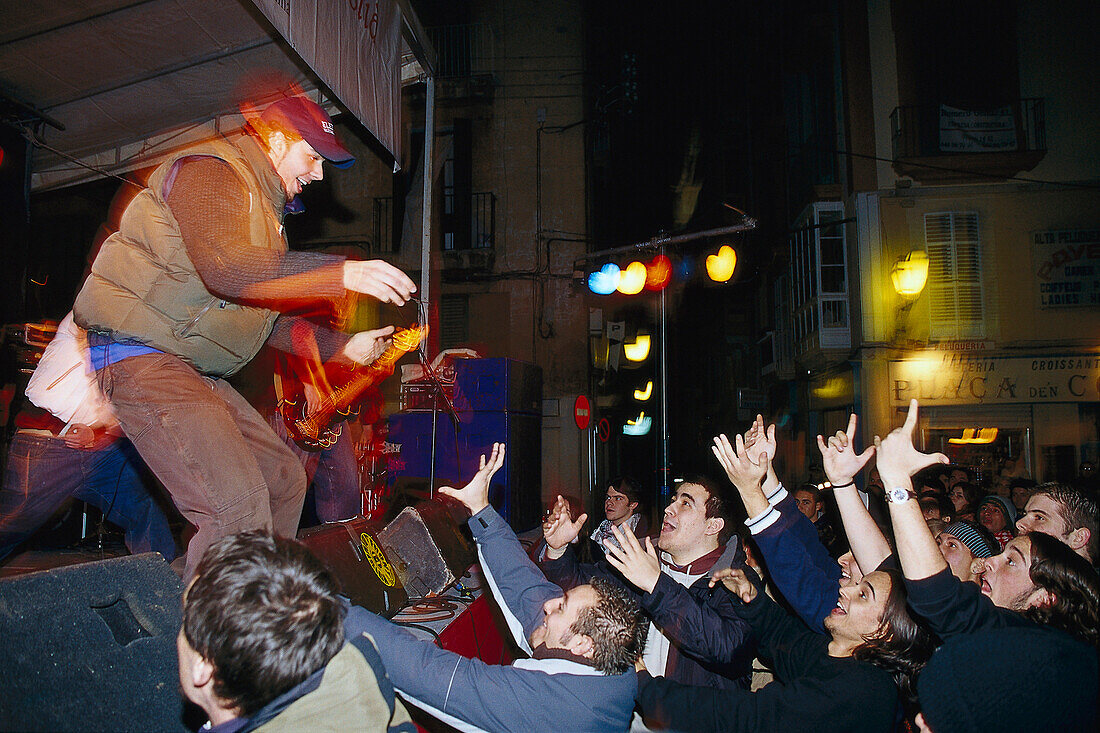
(963, 131)
(354, 46)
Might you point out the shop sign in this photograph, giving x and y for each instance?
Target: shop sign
(1067, 267)
(969, 379)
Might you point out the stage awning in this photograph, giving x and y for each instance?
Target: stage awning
(132, 80)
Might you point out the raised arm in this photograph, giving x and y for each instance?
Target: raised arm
(842, 465)
(898, 460)
(519, 586)
(761, 441)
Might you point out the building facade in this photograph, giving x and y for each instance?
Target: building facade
(965, 144)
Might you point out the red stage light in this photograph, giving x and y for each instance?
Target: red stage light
(658, 272)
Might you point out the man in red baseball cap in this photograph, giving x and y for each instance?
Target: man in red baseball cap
(188, 289)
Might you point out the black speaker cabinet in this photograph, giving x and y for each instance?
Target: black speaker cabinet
(92, 647)
(352, 552)
(428, 547)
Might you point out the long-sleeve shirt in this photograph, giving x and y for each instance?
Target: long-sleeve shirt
(211, 204)
(953, 607)
(814, 692)
(530, 695)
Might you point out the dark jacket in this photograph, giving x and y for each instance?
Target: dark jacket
(711, 644)
(801, 569)
(814, 692)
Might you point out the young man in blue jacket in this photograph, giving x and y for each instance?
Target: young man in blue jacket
(582, 644)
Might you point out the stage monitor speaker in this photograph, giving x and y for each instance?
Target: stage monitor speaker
(92, 647)
(350, 549)
(428, 546)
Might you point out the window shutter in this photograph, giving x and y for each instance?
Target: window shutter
(953, 242)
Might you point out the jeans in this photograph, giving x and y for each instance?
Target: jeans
(334, 473)
(43, 472)
(219, 460)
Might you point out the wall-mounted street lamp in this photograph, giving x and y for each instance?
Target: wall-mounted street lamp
(910, 273)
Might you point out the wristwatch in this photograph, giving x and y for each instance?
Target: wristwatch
(899, 494)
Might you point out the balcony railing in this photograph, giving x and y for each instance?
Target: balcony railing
(990, 142)
(482, 225)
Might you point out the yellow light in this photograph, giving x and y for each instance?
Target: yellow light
(975, 436)
(910, 273)
(639, 350)
(720, 266)
(632, 279)
(644, 394)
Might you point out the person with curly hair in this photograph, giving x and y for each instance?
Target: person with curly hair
(581, 644)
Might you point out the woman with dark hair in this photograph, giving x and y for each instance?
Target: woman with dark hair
(845, 680)
(1071, 585)
(963, 497)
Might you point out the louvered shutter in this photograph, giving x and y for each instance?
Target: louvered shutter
(953, 243)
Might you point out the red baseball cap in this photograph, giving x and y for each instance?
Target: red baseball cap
(313, 124)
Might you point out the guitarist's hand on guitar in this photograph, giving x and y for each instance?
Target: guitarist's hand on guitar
(378, 279)
(366, 346)
(475, 495)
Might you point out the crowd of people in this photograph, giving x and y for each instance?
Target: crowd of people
(921, 604)
(922, 625)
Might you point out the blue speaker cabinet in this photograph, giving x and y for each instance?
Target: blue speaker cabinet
(498, 385)
(515, 491)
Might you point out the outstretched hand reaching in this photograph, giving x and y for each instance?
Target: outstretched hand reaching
(898, 458)
(637, 564)
(559, 528)
(736, 582)
(745, 472)
(842, 463)
(475, 495)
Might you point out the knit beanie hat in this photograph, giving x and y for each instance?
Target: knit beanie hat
(1004, 505)
(969, 536)
(1048, 682)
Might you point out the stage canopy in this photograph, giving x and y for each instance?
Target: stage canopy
(115, 84)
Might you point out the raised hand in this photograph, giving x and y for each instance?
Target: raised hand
(842, 463)
(640, 566)
(745, 473)
(898, 458)
(736, 582)
(560, 529)
(759, 440)
(475, 495)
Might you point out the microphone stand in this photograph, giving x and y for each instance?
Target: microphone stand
(437, 394)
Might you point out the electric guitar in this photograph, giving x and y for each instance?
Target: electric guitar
(317, 430)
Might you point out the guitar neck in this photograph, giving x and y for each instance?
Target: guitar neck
(404, 341)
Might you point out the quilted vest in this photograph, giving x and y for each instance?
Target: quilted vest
(144, 288)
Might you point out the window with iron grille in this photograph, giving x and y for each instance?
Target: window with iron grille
(953, 242)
